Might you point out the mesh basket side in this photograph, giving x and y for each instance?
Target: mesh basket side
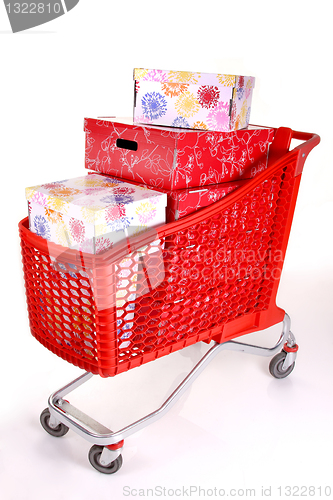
(216, 271)
(222, 265)
(61, 306)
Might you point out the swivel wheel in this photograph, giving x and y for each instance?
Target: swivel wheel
(58, 431)
(94, 456)
(276, 366)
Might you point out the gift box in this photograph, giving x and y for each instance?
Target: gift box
(186, 99)
(186, 201)
(92, 213)
(174, 158)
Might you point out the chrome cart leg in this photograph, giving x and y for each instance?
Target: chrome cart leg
(105, 455)
(283, 363)
(291, 349)
(53, 422)
(109, 455)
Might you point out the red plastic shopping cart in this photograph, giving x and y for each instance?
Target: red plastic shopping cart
(211, 276)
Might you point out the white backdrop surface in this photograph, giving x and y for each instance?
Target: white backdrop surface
(237, 428)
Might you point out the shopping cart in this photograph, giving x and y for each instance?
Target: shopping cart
(211, 276)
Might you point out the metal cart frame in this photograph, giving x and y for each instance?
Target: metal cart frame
(65, 415)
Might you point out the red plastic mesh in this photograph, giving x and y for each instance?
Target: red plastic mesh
(60, 304)
(199, 278)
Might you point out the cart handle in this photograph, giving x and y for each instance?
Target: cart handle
(304, 149)
(281, 144)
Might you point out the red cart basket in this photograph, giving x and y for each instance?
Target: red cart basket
(211, 276)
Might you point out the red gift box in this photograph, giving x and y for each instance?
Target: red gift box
(172, 158)
(186, 201)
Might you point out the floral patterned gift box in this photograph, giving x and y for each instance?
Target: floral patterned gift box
(192, 100)
(93, 212)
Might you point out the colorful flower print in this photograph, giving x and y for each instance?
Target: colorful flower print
(156, 75)
(146, 212)
(52, 185)
(237, 123)
(208, 96)
(64, 191)
(30, 191)
(103, 244)
(241, 81)
(119, 224)
(240, 93)
(233, 115)
(77, 229)
(200, 125)
(187, 105)
(121, 190)
(40, 198)
(87, 246)
(174, 89)
(53, 216)
(92, 190)
(112, 182)
(248, 88)
(218, 118)
(41, 227)
(115, 212)
(184, 76)
(142, 119)
(112, 199)
(139, 73)
(243, 113)
(226, 80)
(88, 215)
(180, 122)
(89, 181)
(154, 105)
(118, 198)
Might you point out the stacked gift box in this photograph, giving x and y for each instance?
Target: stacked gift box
(188, 145)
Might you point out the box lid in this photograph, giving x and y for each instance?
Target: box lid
(96, 199)
(190, 77)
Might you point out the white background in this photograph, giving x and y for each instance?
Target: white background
(237, 427)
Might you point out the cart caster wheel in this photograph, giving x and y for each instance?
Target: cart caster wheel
(58, 431)
(275, 366)
(94, 458)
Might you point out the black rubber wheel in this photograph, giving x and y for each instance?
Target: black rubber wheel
(275, 366)
(58, 431)
(94, 458)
